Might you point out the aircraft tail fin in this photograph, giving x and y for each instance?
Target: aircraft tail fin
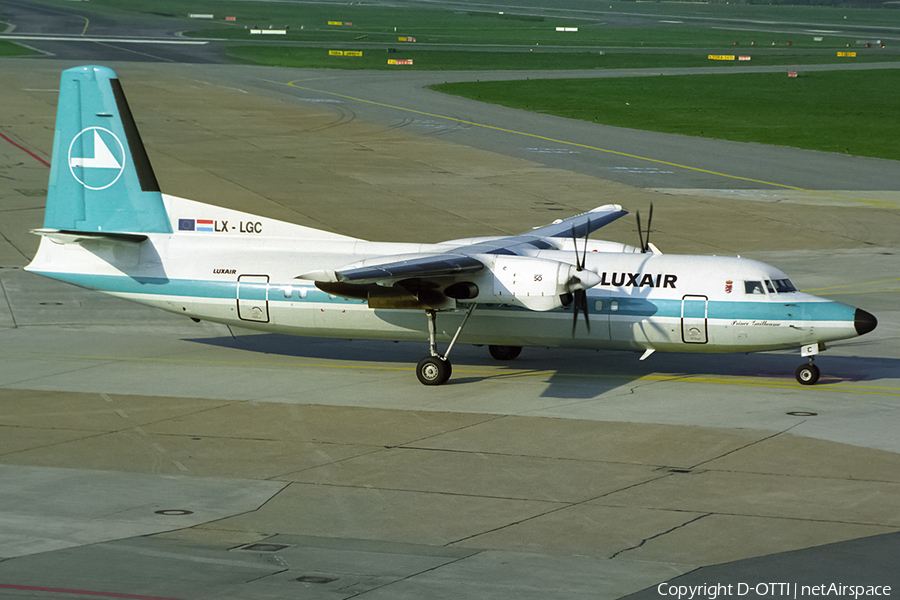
(100, 177)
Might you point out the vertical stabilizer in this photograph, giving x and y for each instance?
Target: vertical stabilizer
(100, 178)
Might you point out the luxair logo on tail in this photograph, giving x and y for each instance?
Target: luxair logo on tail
(97, 164)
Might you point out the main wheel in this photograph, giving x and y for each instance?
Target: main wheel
(433, 370)
(807, 374)
(505, 352)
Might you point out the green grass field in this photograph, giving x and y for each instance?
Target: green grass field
(10, 49)
(848, 112)
(531, 59)
(851, 112)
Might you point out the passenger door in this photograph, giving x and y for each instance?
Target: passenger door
(693, 319)
(253, 298)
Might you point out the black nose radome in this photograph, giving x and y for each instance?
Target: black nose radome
(864, 321)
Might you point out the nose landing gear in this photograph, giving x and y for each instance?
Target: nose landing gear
(808, 374)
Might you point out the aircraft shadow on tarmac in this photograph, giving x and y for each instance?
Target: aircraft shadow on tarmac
(576, 374)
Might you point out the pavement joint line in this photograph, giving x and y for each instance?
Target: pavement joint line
(568, 505)
(12, 314)
(660, 534)
(875, 203)
(748, 444)
(557, 504)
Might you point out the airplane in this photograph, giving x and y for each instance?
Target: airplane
(108, 227)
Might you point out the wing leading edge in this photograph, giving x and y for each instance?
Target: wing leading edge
(583, 224)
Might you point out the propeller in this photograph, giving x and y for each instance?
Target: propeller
(579, 294)
(644, 246)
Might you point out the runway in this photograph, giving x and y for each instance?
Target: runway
(149, 456)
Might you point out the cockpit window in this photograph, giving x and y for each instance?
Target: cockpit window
(775, 286)
(753, 287)
(783, 286)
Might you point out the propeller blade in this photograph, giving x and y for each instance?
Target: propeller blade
(649, 220)
(579, 295)
(640, 232)
(578, 263)
(580, 304)
(584, 306)
(584, 253)
(575, 312)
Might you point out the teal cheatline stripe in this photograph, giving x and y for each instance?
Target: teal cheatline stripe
(730, 311)
(162, 286)
(779, 311)
(626, 307)
(193, 288)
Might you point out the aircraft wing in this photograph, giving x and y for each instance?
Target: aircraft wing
(461, 259)
(421, 267)
(583, 224)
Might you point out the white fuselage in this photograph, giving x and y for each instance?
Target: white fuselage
(243, 270)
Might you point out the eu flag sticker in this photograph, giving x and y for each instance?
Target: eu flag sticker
(185, 224)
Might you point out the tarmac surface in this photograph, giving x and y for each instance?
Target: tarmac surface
(143, 455)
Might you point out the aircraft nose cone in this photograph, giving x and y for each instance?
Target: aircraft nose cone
(864, 321)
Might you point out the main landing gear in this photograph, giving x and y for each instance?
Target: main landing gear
(436, 369)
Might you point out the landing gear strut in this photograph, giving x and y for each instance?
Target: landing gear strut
(436, 369)
(808, 374)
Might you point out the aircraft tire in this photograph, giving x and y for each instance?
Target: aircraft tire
(807, 374)
(505, 352)
(433, 370)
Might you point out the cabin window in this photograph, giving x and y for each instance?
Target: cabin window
(598, 306)
(614, 305)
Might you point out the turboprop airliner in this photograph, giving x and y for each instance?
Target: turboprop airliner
(108, 227)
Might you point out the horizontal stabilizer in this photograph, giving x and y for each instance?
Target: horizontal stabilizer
(64, 236)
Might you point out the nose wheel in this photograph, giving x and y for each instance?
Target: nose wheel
(807, 374)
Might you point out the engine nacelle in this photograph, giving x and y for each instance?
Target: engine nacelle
(534, 283)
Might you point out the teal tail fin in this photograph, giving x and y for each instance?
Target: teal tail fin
(100, 178)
